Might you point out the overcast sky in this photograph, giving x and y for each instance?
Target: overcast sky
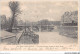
(38, 10)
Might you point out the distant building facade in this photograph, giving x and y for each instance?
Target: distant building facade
(70, 18)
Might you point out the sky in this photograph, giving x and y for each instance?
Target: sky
(39, 10)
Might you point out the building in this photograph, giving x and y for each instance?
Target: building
(70, 18)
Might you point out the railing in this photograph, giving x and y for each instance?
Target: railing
(21, 36)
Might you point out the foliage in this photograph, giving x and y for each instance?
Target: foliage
(14, 6)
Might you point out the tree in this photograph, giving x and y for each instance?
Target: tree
(3, 21)
(14, 6)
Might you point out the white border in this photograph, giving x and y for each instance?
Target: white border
(46, 52)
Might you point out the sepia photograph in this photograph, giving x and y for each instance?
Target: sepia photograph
(38, 22)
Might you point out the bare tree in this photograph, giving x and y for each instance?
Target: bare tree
(14, 6)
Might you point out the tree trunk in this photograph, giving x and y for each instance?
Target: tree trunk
(12, 23)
